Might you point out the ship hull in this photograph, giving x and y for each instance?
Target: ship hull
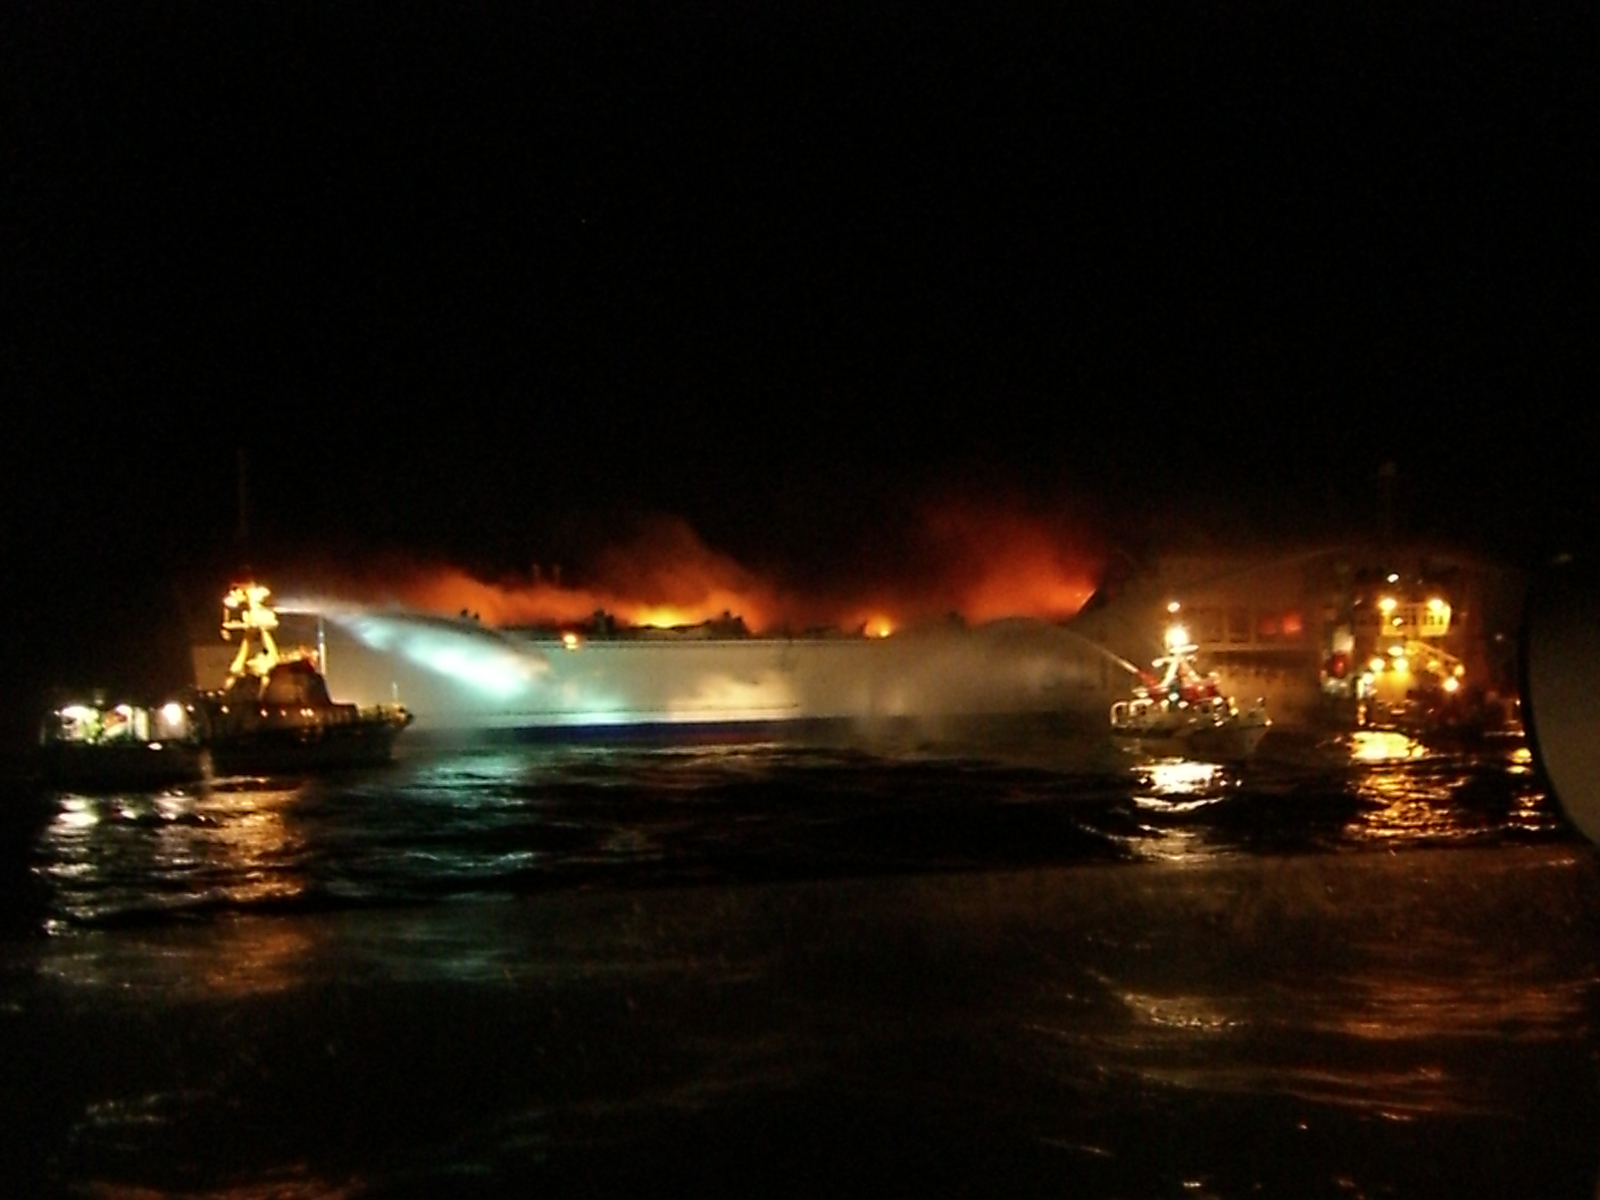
(461, 676)
(280, 751)
(1228, 744)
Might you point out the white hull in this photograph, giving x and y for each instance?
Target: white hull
(1227, 744)
(1212, 728)
(454, 674)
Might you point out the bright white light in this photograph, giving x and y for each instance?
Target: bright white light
(498, 675)
(1178, 777)
(486, 663)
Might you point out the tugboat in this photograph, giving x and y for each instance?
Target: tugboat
(274, 713)
(1182, 712)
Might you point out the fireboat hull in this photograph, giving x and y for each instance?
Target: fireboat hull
(145, 765)
(307, 748)
(1226, 744)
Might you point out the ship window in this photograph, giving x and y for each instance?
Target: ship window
(1279, 627)
(1433, 618)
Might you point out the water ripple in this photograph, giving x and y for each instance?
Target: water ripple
(497, 819)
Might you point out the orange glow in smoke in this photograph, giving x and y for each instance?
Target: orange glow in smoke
(448, 591)
(995, 560)
(978, 563)
(665, 577)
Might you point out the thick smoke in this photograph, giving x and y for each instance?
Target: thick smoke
(1004, 561)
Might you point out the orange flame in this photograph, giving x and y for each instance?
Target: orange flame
(978, 562)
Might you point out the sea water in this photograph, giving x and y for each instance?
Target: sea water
(1000, 963)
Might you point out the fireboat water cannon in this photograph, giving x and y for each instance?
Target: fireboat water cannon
(1183, 711)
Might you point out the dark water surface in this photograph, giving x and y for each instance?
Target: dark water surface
(1002, 963)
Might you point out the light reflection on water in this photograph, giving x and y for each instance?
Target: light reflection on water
(1382, 745)
(580, 943)
(491, 820)
(1172, 794)
(173, 850)
(1416, 794)
(1182, 777)
(1401, 987)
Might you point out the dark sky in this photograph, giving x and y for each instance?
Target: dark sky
(478, 279)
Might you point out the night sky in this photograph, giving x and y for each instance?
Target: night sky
(492, 283)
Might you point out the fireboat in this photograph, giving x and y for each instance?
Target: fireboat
(1182, 712)
(272, 715)
(273, 712)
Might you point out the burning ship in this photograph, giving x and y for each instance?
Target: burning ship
(1270, 627)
